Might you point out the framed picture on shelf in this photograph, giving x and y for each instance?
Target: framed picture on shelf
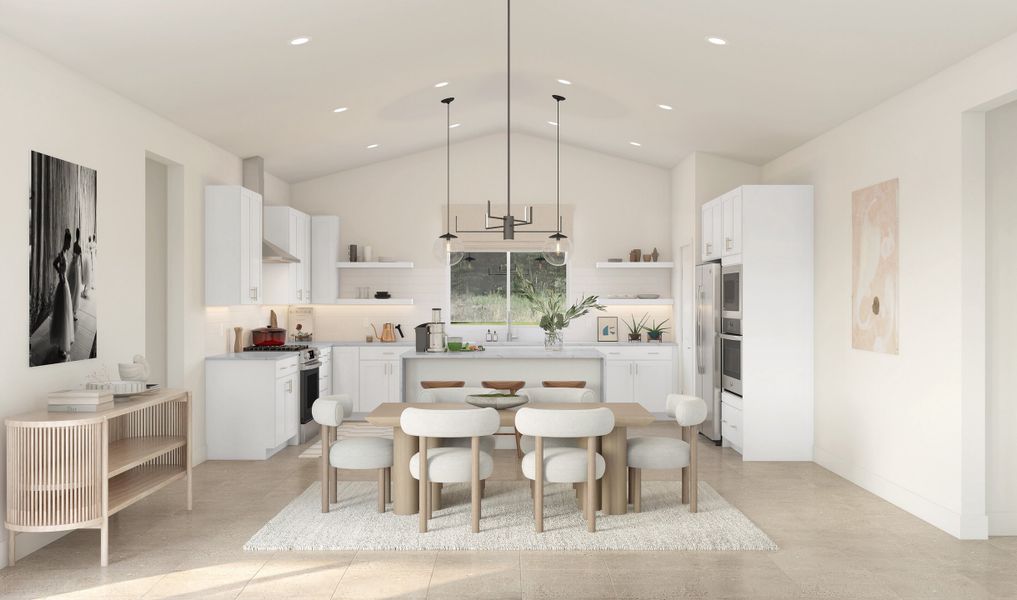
(607, 329)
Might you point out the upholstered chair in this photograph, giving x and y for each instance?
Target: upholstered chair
(564, 465)
(655, 452)
(352, 453)
(457, 394)
(543, 395)
(450, 464)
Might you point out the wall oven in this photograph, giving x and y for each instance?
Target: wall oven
(731, 299)
(731, 363)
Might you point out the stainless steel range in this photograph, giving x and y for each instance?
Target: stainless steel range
(309, 364)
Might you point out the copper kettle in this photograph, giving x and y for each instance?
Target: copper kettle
(388, 332)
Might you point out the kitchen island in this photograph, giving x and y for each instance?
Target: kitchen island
(530, 364)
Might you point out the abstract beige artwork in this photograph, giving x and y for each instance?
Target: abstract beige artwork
(874, 268)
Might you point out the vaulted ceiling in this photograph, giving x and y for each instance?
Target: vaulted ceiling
(225, 69)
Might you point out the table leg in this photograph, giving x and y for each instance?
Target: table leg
(614, 448)
(404, 487)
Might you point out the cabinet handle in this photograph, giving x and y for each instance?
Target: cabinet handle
(253, 293)
(709, 247)
(727, 243)
(289, 386)
(636, 365)
(300, 294)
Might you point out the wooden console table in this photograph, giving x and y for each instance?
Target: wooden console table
(75, 470)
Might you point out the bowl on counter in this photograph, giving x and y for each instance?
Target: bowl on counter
(496, 401)
(455, 344)
(647, 296)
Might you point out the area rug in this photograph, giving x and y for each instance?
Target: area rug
(507, 523)
(346, 431)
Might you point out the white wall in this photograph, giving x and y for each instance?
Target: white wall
(48, 108)
(908, 427)
(395, 207)
(156, 188)
(1001, 289)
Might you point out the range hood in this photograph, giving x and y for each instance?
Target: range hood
(254, 180)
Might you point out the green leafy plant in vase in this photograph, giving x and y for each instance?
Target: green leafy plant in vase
(636, 327)
(655, 331)
(554, 317)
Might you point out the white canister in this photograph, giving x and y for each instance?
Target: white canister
(367, 254)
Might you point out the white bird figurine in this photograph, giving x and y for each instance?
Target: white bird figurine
(136, 371)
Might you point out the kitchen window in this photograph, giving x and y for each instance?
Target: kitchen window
(485, 287)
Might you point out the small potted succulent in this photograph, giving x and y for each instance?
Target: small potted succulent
(655, 331)
(636, 328)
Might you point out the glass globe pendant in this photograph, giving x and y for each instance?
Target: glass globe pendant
(556, 249)
(448, 250)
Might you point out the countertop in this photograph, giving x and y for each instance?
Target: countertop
(520, 353)
(260, 355)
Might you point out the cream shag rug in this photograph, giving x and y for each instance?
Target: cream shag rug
(507, 522)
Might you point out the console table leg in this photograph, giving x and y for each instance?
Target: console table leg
(11, 554)
(104, 543)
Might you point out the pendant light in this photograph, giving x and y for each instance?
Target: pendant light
(557, 247)
(447, 248)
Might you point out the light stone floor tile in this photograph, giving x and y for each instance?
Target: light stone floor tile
(837, 541)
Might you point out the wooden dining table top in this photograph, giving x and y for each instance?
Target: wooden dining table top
(626, 414)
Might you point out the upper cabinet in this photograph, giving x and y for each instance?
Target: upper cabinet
(722, 226)
(324, 256)
(288, 283)
(232, 246)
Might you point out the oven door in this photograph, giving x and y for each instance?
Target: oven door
(731, 292)
(731, 363)
(308, 390)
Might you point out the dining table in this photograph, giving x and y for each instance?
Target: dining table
(613, 447)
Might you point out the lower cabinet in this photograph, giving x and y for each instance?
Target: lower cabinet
(643, 374)
(252, 407)
(346, 372)
(731, 430)
(381, 376)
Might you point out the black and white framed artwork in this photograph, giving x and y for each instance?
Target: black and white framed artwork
(63, 243)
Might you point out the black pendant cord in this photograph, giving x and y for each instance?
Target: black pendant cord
(557, 162)
(508, 108)
(448, 167)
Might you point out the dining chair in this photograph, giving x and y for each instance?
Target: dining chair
(656, 452)
(352, 453)
(525, 443)
(457, 394)
(563, 384)
(564, 465)
(430, 385)
(450, 464)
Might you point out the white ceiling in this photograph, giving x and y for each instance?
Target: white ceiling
(224, 69)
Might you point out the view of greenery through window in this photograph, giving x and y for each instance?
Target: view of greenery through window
(481, 287)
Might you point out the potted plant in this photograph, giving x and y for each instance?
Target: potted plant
(554, 317)
(636, 328)
(655, 332)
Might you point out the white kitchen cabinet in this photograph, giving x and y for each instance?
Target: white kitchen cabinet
(731, 207)
(712, 230)
(346, 372)
(380, 376)
(731, 421)
(640, 374)
(233, 232)
(325, 372)
(325, 252)
(290, 229)
(252, 406)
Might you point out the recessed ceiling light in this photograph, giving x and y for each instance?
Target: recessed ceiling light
(564, 82)
(373, 146)
(441, 84)
(666, 106)
(716, 41)
(300, 41)
(340, 109)
(454, 125)
(636, 144)
(552, 123)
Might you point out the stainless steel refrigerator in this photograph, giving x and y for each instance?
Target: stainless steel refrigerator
(708, 311)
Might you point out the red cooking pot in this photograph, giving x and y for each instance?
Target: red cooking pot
(273, 335)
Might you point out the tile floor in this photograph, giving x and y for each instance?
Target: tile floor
(837, 541)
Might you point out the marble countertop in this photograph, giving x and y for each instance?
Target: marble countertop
(518, 353)
(260, 355)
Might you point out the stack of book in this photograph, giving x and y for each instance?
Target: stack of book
(80, 400)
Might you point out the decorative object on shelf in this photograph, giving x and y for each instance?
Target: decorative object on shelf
(447, 248)
(367, 253)
(508, 222)
(636, 327)
(655, 255)
(382, 295)
(655, 331)
(607, 329)
(554, 317)
(496, 401)
(353, 253)
(647, 296)
(875, 266)
(635, 254)
(138, 370)
(61, 273)
(647, 258)
(614, 260)
(557, 247)
(238, 339)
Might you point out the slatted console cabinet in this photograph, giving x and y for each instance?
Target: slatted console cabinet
(76, 470)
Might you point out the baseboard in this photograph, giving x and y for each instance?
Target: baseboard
(965, 527)
(28, 543)
(1003, 523)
